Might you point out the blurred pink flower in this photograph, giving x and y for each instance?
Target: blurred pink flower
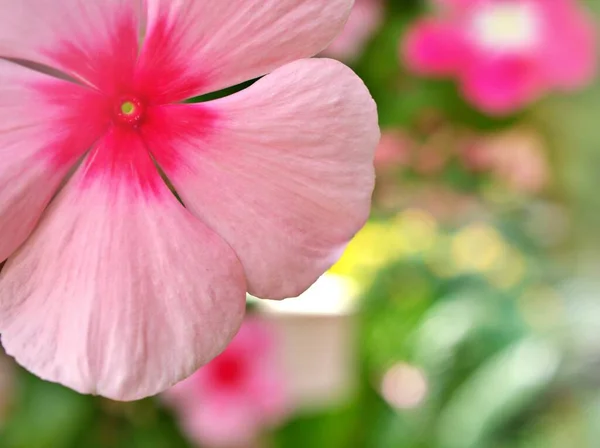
(505, 53)
(516, 157)
(394, 150)
(112, 286)
(364, 20)
(242, 391)
(443, 203)
(474, 157)
(432, 156)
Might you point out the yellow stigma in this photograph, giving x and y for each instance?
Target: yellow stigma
(128, 108)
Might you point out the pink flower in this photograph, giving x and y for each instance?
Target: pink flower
(443, 203)
(505, 53)
(364, 20)
(229, 401)
(394, 150)
(112, 286)
(516, 157)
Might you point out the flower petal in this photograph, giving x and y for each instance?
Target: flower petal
(231, 411)
(46, 124)
(502, 85)
(119, 291)
(222, 421)
(569, 57)
(95, 41)
(435, 47)
(283, 170)
(216, 44)
(364, 20)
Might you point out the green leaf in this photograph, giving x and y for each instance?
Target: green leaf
(501, 388)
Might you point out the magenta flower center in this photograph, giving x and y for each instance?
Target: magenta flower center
(228, 371)
(129, 111)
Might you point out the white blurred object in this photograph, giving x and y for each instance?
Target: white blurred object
(507, 27)
(317, 342)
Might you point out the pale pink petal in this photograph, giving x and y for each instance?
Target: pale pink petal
(569, 55)
(223, 422)
(96, 41)
(269, 391)
(363, 22)
(213, 44)
(284, 172)
(45, 125)
(435, 47)
(501, 85)
(119, 291)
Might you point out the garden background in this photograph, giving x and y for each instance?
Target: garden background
(466, 314)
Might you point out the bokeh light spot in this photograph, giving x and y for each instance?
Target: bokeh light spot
(404, 386)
